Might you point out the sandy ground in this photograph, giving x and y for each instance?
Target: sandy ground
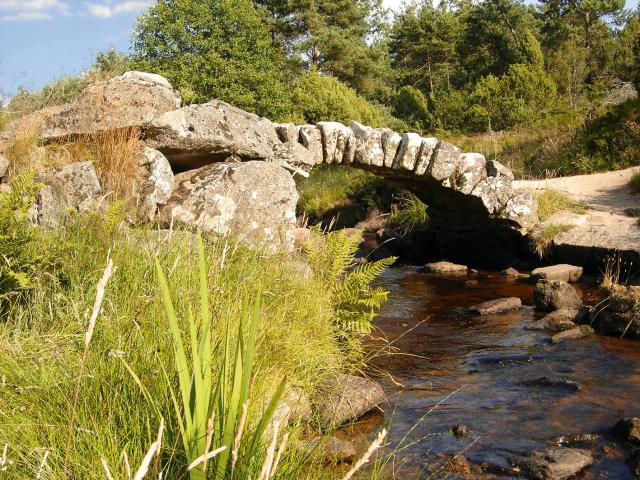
(614, 210)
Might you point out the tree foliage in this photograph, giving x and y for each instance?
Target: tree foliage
(214, 49)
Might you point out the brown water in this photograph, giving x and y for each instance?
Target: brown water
(458, 369)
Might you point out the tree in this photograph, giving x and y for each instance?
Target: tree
(214, 49)
(495, 36)
(335, 37)
(587, 20)
(411, 106)
(423, 46)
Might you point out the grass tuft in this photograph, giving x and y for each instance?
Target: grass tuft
(543, 239)
(635, 183)
(410, 215)
(551, 202)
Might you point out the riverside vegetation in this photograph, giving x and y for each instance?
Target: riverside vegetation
(149, 385)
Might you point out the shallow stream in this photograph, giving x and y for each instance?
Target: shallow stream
(450, 369)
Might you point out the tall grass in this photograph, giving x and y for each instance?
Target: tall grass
(41, 345)
(410, 214)
(634, 183)
(551, 202)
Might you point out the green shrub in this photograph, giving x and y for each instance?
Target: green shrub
(319, 97)
(410, 105)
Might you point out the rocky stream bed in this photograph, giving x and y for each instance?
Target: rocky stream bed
(479, 393)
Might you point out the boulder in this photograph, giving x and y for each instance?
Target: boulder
(157, 185)
(552, 295)
(345, 398)
(522, 209)
(335, 142)
(4, 166)
(329, 450)
(252, 201)
(554, 463)
(492, 307)
(573, 334)
(634, 464)
(444, 162)
(390, 143)
(559, 321)
(511, 273)
(470, 171)
(367, 145)
(445, 267)
(133, 99)
(563, 272)
(425, 155)
(71, 188)
(293, 157)
(311, 139)
(287, 132)
(628, 429)
(407, 153)
(197, 135)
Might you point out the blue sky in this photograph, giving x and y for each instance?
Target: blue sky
(41, 40)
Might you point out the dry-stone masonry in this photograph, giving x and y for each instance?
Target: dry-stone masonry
(465, 192)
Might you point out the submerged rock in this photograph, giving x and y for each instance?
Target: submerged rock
(553, 383)
(554, 463)
(562, 272)
(445, 267)
(329, 450)
(254, 202)
(492, 307)
(552, 295)
(345, 398)
(460, 431)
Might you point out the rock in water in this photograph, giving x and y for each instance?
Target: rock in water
(329, 450)
(562, 272)
(345, 398)
(445, 267)
(254, 202)
(158, 183)
(197, 135)
(73, 187)
(554, 463)
(492, 307)
(573, 334)
(552, 295)
(628, 429)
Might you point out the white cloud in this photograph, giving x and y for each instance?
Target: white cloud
(108, 10)
(17, 10)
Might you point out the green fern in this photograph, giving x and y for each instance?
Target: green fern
(354, 299)
(18, 258)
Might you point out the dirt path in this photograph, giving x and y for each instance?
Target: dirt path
(614, 211)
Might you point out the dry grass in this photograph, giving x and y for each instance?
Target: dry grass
(21, 147)
(116, 154)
